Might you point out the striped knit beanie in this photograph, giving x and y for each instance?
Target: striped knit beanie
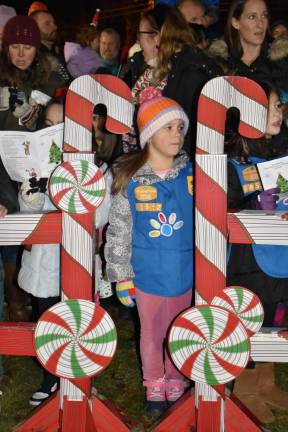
(155, 113)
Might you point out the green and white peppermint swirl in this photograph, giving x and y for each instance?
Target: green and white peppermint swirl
(75, 339)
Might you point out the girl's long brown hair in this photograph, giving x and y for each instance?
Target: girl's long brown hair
(125, 167)
(175, 33)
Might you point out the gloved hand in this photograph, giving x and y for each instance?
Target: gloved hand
(125, 291)
(26, 111)
(4, 98)
(267, 199)
(32, 197)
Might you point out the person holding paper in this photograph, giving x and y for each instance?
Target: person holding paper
(26, 85)
(261, 268)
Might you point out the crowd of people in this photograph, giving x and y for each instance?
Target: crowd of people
(150, 170)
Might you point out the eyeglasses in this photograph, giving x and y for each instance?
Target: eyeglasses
(147, 32)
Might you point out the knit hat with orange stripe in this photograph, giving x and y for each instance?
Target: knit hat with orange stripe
(155, 113)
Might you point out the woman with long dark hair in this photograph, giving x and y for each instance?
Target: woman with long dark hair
(247, 38)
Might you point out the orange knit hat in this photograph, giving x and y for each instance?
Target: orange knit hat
(37, 6)
(155, 113)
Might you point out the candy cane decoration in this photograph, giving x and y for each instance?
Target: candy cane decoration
(78, 186)
(84, 93)
(217, 96)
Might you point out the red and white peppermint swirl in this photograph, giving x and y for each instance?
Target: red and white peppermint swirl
(77, 187)
(209, 345)
(245, 304)
(75, 339)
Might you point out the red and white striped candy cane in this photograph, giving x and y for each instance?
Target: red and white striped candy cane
(217, 96)
(77, 226)
(84, 93)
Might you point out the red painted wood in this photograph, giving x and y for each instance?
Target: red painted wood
(48, 230)
(209, 416)
(43, 419)
(180, 417)
(107, 418)
(237, 232)
(17, 338)
(74, 416)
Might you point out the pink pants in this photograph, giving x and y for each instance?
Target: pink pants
(156, 314)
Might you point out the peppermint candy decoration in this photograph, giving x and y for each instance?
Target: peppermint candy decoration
(245, 304)
(209, 345)
(75, 339)
(77, 187)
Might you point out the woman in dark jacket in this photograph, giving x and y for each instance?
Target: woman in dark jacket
(27, 82)
(246, 36)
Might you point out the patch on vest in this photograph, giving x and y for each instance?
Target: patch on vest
(145, 193)
(164, 226)
(190, 184)
(250, 174)
(149, 207)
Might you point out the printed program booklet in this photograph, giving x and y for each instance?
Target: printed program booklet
(31, 154)
(274, 174)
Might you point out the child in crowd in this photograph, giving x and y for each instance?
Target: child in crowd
(260, 268)
(149, 250)
(40, 270)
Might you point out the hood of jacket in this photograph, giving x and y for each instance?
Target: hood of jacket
(194, 58)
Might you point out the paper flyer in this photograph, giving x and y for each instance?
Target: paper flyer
(274, 174)
(31, 154)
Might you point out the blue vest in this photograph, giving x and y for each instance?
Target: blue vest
(162, 234)
(271, 259)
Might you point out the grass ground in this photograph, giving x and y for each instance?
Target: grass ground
(120, 383)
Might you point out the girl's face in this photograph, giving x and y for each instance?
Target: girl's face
(22, 56)
(275, 115)
(167, 141)
(149, 39)
(253, 23)
(53, 114)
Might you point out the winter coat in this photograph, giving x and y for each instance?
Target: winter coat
(84, 61)
(278, 56)
(190, 69)
(55, 81)
(133, 68)
(259, 70)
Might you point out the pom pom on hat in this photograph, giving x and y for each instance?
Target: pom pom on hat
(21, 29)
(6, 12)
(155, 113)
(37, 6)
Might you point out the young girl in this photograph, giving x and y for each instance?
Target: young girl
(150, 239)
(260, 268)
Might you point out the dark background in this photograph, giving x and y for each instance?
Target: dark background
(121, 14)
